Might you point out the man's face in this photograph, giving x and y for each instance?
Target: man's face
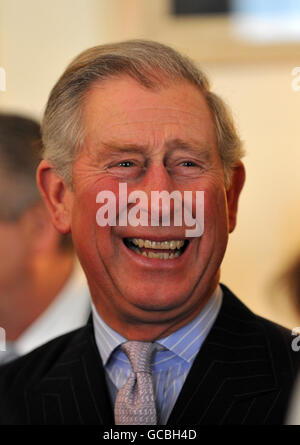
(153, 140)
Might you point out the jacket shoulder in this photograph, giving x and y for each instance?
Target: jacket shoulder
(34, 366)
(277, 339)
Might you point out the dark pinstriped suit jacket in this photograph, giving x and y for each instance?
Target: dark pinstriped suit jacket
(242, 375)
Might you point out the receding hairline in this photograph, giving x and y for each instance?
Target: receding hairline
(156, 87)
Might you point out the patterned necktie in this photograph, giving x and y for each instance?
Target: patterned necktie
(135, 403)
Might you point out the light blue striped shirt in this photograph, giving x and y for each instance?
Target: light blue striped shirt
(170, 364)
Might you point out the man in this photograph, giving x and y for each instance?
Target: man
(43, 292)
(166, 344)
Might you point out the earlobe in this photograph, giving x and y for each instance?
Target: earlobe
(57, 196)
(233, 193)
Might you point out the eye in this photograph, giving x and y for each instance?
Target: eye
(126, 169)
(125, 164)
(188, 164)
(186, 168)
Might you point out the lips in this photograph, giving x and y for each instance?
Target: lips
(163, 250)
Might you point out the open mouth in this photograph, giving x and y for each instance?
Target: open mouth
(163, 250)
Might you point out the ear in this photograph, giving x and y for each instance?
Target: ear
(57, 196)
(233, 193)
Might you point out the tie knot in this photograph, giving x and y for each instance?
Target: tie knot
(139, 354)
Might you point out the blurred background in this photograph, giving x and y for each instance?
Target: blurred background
(250, 50)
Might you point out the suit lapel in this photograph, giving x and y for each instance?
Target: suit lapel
(230, 373)
(234, 378)
(75, 390)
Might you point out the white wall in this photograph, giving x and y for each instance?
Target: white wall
(37, 40)
(267, 111)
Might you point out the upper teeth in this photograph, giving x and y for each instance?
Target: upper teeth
(173, 244)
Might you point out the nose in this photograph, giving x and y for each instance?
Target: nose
(160, 206)
(158, 179)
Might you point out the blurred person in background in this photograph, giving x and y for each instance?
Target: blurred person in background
(284, 293)
(290, 278)
(43, 292)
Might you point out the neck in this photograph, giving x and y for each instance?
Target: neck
(152, 326)
(32, 295)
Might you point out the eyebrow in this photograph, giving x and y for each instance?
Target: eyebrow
(124, 147)
(192, 147)
(111, 150)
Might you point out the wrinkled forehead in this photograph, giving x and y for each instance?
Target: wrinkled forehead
(123, 109)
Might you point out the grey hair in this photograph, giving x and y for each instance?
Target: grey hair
(151, 64)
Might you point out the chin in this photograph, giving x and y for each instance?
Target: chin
(157, 299)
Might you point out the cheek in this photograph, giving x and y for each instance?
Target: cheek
(215, 210)
(88, 236)
(83, 226)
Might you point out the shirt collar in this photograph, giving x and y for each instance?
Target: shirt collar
(185, 342)
(107, 339)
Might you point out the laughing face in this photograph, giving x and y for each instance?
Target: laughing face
(146, 281)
